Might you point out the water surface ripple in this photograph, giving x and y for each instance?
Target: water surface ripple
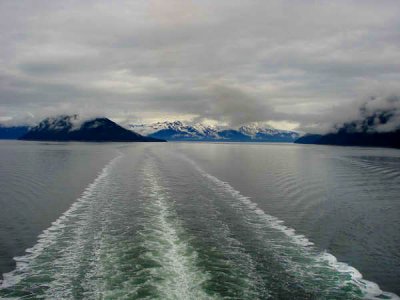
(157, 223)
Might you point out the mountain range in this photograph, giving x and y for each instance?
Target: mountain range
(365, 132)
(179, 131)
(71, 128)
(64, 128)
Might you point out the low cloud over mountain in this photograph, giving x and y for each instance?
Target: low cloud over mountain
(377, 124)
(378, 114)
(74, 128)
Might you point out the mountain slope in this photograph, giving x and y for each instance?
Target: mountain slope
(343, 138)
(178, 131)
(70, 128)
(308, 139)
(12, 133)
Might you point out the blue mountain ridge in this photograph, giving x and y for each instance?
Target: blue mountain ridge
(12, 132)
(71, 128)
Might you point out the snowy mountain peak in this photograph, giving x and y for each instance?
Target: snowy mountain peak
(176, 127)
(179, 131)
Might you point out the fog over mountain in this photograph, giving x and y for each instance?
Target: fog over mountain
(376, 115)
(377, 124)
(301, 65)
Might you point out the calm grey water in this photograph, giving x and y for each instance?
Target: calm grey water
(198, 221)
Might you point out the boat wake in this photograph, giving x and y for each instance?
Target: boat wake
(142, 230)
(319, 272)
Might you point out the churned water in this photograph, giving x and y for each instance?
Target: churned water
(198, 221)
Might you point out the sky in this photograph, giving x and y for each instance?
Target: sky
(303, 64)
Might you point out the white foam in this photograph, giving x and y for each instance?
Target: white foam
(370, 289)
(49, 235)
(181, 277)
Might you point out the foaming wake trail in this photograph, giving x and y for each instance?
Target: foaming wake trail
(319, 273)
(121, 239)
(174, 266)
(52, 267)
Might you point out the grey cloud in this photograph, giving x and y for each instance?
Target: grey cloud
(302, 62)
(235, 107)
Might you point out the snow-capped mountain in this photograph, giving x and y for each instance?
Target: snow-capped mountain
(179, 131)
(268, 133)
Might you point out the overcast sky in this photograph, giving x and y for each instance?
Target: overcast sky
(304, 64)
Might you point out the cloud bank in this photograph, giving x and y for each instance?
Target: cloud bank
(301, 63)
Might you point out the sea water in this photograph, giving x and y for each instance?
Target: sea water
(198, 221)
